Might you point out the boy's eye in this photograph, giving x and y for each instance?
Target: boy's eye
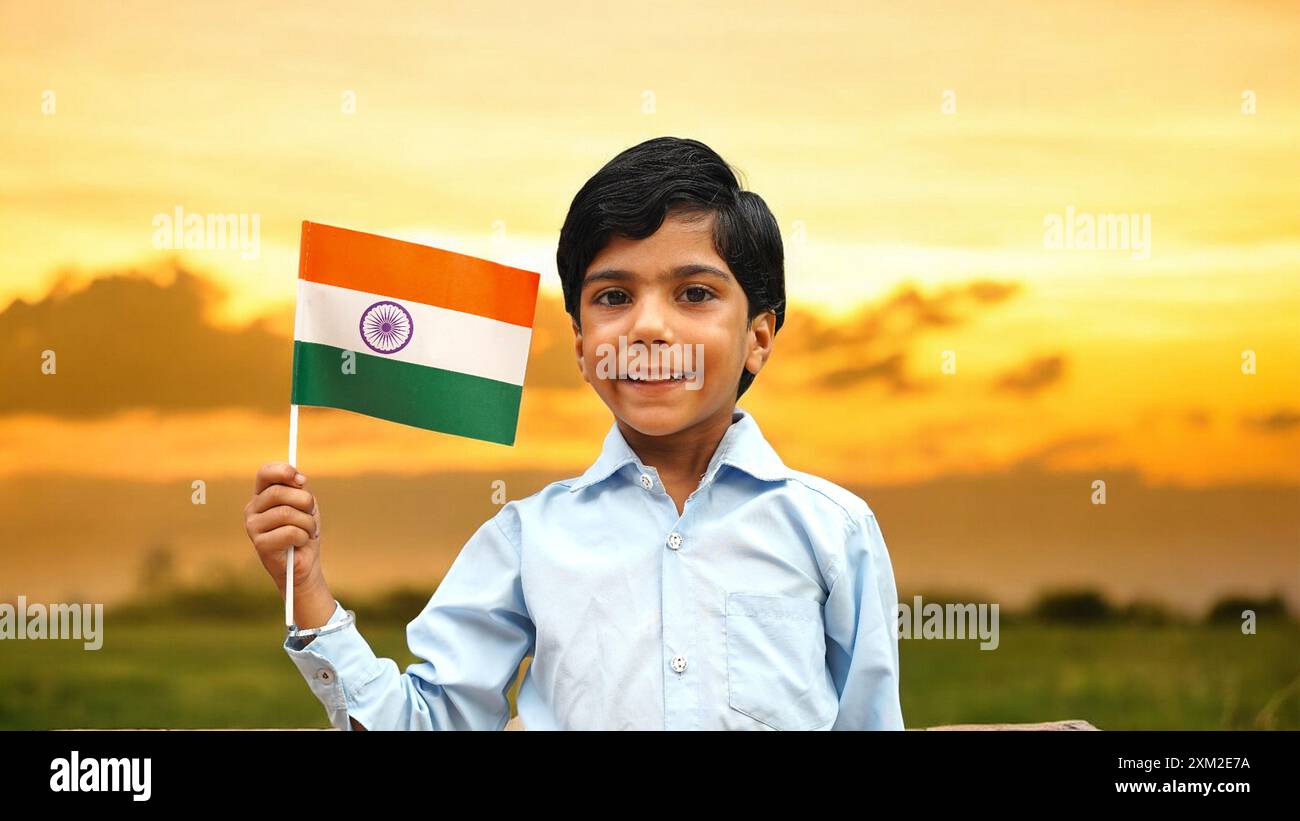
(695, 293)
(610, 293)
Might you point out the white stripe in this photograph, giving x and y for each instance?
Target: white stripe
(441, 338)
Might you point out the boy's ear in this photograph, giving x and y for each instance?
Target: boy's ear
(577, 349)
(761, 334)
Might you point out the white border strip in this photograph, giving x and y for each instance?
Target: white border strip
(441, 338)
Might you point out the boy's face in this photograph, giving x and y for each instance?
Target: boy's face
(667, 304)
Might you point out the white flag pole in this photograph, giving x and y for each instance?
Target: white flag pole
(288, 567)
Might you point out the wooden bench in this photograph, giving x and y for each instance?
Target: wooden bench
(516, 724)
(1068, 724)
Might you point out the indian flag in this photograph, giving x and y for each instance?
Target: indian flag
(411, 334)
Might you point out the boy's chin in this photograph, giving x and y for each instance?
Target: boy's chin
(655, 419)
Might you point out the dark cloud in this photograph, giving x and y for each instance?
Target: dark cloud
(895, 320)
(1041, 457)
(1032, 376)
(1279, 421)
(127, 341)
(891, 370)
(875, 339)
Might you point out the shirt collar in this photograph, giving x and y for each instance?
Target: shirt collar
(743, 446)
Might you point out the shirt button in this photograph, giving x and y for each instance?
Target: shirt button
(646, 481)
(679, 663)
(324, 675)
(675, 541)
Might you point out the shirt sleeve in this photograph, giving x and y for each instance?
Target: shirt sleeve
(472, 635)
(861, 614)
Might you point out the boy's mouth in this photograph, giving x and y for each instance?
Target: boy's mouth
(680, 377)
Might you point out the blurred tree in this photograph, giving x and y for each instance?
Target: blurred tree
(1228, 609)
(157, 573)
(1073, 607)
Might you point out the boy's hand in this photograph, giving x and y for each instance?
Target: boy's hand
(284, 512)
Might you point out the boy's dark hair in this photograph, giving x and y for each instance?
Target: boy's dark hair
(633, 194)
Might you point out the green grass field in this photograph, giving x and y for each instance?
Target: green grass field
(235, 674)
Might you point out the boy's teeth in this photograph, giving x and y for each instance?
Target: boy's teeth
(659, 379)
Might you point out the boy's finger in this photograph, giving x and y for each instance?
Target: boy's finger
(277, 473)
(281, 538)
(279, 516)
(284, 495)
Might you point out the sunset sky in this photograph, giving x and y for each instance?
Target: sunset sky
(912, 155)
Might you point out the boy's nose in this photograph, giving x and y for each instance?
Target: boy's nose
(650, 325)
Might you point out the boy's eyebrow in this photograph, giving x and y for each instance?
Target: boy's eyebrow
(681, 271)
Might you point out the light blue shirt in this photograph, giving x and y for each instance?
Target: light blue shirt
(768, 603)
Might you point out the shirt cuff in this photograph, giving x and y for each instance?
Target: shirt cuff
(299, 642)
(334, 666)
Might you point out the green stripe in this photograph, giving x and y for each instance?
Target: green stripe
(416, 395)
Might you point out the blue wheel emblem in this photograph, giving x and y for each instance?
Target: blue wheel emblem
(386, 327)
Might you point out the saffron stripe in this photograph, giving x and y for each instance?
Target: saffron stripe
(409, 271)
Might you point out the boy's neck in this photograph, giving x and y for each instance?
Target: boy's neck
(681, 458)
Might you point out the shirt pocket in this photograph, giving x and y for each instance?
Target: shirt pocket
(776, 661)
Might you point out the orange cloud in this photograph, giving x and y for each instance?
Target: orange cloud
(1033, 376)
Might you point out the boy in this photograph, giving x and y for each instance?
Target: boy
(688, 579)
